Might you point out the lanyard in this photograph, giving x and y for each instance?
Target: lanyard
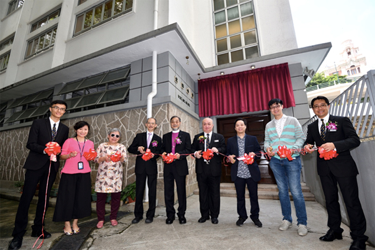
(83, 148)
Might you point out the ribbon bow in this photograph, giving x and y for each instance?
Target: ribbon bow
(52, 149)
(169, 158)
(90, 155)
(116, 156)
(147, 156)
(208, 154)
(247, 159)
(327, 155)
(284, 152)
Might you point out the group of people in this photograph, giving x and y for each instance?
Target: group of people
(73, 201)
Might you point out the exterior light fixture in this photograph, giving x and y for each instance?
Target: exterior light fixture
(222, 73)
(252, 66)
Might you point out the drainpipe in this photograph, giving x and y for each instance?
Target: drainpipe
(154, 80)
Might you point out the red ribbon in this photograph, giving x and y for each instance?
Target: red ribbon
(208, 154)
(90, 155)
(116, 156)
(147, 156)
(284, 152)
(169, 158)
(327, 155)
(52, 148)
(247, 159)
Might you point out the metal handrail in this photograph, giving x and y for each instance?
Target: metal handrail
(357, 102)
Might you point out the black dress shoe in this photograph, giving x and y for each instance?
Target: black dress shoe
(149, 220)
(214, 220)
(358, 245)
(257, 222)
(15, 244)
(169, 221)
(136, 220)
(39, 233)
(332, 235)
(182, 219)
(202, 219)
(240, 221)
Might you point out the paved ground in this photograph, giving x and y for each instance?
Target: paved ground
(192, 235)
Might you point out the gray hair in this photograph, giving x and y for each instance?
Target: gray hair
(114, 130)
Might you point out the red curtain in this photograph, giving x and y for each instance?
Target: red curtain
(247, 91)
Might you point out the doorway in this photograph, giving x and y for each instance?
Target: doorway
(256, 124)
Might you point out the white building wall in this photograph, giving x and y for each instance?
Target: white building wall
(275, 26)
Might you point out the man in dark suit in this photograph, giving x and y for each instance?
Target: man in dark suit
(179, 143)
(208, 172)
(242, 174)
(37, 167)
(337, 133)
(146, 169)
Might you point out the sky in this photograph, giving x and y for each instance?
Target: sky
(321, 21)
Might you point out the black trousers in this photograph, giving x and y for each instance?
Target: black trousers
(169, 179)
(349, 189)
(32, 178)
(252, 186)
(209, 195)
(74, 197)
(139, 193)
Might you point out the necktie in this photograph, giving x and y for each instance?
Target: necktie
(323, 130)
(207, 141)
(148, 139)
(54, 132)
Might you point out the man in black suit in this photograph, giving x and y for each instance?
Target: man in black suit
(37, 167)
(242, 174)
(337, 133)
(146, 169)
(208, 172)
(179, 143)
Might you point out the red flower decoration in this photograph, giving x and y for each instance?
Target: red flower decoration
(169, 158)
(284, 152)
(52, 148)
(327, 155)
(90, 155)
(208, 154)
(147, 156)
(248, 159)
(116, 156)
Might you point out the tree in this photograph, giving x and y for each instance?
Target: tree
(320, 78)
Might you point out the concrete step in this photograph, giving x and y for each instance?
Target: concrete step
(265, 191)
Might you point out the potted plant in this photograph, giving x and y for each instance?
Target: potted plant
(93, 195)
(128, 193)
(19, 185)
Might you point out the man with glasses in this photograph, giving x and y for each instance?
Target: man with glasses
(37, 167)
(286, 130)
(337, 133)
(146, 169)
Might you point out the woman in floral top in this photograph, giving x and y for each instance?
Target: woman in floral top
(109, 176)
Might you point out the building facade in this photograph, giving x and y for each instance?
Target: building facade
(117, 62)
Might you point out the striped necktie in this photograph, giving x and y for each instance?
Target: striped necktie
(323, 130)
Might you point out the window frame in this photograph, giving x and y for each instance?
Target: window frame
(30, 42)
(47, 17)
(4, 61)
(16, 4)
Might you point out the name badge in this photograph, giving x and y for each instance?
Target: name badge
(80, 165)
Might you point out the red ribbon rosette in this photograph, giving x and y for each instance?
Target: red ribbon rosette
(116, 156)
(90, 155)
(52, 148)
(208, 154)
(147, 156)
(284, 152)
(247, 159)
(327, 155)
(169, 158)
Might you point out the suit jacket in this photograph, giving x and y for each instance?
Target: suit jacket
(251, 145)
(40, 134)
(145, 167)
(345, 139)
(214, 166)
(180, 165)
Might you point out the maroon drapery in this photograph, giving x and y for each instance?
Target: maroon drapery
(247, 91)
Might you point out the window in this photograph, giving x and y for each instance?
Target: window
(4, 59)
(6, 42)
(44, 20)
(105, 11)
(105, 89)
(353, 71)
(41, 42)
(348, 72)
(235, 30)
(13, 5)
(359, 70)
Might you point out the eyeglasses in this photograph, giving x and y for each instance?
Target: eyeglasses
(113, 135)
(59, 109)
(320, 106)
(275, 107)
